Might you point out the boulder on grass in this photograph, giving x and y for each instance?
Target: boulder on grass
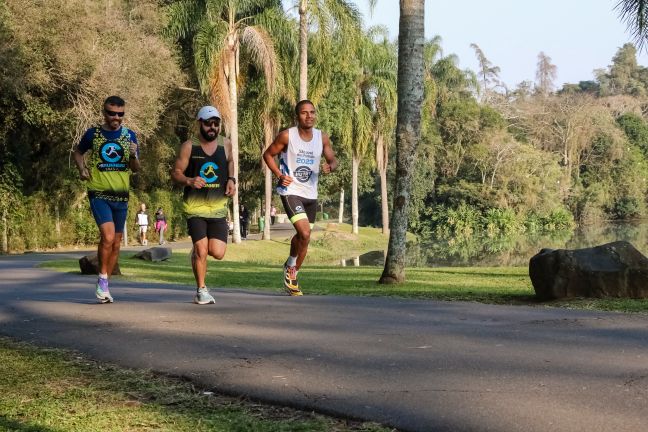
(611, 270)
(154, 254)
(89, 264)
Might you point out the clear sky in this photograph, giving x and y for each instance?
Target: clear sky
(578, 35)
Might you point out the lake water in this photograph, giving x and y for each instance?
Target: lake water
(514, 250)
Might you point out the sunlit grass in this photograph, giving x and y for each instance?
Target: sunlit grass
(257, 265)
(52, 390)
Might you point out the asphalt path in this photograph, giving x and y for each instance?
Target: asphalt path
(413, 365)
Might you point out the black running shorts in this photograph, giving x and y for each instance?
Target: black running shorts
(212, 228)
(298, 208)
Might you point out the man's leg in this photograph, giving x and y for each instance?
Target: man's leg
(114, 252)
(299, 242)
(217, 248)
(199, 265)
(199, 261)
(106, 246)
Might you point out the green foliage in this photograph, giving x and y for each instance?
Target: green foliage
(500, 221)
(466, 220)
(636, 129)
(496, 165)
(558, 220)
(624, 76)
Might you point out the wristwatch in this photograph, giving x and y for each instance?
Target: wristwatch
(232, 178)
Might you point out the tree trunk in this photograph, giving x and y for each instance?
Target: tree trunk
(408, 130)
(5, 231)
(269, 133)
(268, 203)
(355, 163)
(341, 213)
(231, 57)
(57, 225)
(384, 205)
(303, 50)
(382, 159)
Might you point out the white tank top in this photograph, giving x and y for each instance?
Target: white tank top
(301, 161)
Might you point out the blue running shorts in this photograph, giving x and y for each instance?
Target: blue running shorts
(109, 211)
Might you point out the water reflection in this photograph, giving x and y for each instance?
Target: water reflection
(512, 250)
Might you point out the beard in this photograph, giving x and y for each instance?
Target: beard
(208, 136)
(114, 124)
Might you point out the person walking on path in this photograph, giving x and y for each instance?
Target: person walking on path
(244, 220)
(300, 150)
(160, 224)
(273, 215)
(113, 155)
(203, 167)
(142, 221)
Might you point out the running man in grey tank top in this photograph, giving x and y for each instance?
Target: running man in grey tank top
(300, 150)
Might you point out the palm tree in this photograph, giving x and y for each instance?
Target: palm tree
(635, 14)
(488, 73)
(220, 31)
(408, 130)
(374, 95)
(380, 87)
(327, 16)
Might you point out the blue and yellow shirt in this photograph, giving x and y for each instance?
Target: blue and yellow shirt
(108, 163)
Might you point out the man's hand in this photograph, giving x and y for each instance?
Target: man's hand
(133, 150)
(285, 180)
(230, 188)
(196, 182)
(326, 168)
(84, 174)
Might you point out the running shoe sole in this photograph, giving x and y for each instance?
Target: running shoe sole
(104, 299)
(212, 301)
(293, 292)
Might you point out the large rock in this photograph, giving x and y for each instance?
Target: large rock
(611, 270)
(154, 254)
(89, 264)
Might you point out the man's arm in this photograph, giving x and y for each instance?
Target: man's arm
(331, 161)
(133, 158)
(181, 164)
(79, 160)
(78, 154)
(277, 146)
(230, 185)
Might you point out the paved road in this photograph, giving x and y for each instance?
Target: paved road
(415, 365)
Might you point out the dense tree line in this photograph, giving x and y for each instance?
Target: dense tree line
(490, 160)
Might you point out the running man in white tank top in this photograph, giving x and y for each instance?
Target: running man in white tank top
(300, 150)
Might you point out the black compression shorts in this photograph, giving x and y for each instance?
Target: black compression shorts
(298, 208)
(212, 228)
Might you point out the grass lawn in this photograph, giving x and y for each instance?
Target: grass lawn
(51, 390)
(257, 265)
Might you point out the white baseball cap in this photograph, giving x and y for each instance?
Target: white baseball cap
(207, 112)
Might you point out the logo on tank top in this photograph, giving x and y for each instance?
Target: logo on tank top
(208, 172)
(111, 157)
(303, 174)
(111, 152)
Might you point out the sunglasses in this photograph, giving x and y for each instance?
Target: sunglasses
(114, 113)
(211, 123)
